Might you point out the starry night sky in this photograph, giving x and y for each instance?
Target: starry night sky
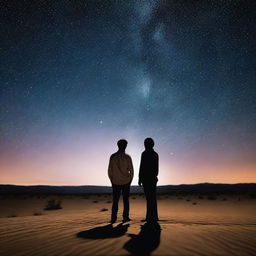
(76, 76)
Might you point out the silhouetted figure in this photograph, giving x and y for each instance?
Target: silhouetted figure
(103, 232)
(146, 241)
(120, 172)
(148, 178)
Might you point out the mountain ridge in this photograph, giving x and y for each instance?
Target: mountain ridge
(94, 189)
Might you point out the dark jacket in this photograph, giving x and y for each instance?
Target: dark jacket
(148, 167)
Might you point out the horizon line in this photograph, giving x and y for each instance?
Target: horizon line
(182, 184)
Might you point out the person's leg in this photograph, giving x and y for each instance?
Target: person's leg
(126, 193)
(147, 195)
(150, 193)
(116, 195)
(154, 203)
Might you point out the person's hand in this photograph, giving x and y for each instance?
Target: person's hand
(140, 184)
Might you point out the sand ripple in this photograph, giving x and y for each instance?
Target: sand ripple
(58, 234)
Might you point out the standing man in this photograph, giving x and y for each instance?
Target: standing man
(148, 178)
(120, 173)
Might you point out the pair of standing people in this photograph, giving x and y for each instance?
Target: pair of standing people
(120, 172)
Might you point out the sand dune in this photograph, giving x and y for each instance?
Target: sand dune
(184, 229)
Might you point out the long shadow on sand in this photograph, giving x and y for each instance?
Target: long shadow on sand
(146, 241)
(107, 231)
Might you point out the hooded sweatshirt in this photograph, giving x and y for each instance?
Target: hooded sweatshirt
(120, 168)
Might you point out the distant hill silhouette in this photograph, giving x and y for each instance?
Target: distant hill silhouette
(242, 188)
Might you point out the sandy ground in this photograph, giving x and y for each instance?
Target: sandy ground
(189, 225)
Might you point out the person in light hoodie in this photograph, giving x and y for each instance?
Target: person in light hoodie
(120, 173)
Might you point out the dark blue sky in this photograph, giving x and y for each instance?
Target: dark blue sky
(76, 76)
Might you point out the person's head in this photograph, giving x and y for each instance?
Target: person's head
(122, 144)
(149, 143)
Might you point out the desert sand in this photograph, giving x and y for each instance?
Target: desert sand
(189, 225)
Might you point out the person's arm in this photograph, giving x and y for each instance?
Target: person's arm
(131, 168)
(140, 171)
(110, 169)
(157, 164)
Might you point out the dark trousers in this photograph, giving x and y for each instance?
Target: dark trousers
(117, 189)
(150, 193)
